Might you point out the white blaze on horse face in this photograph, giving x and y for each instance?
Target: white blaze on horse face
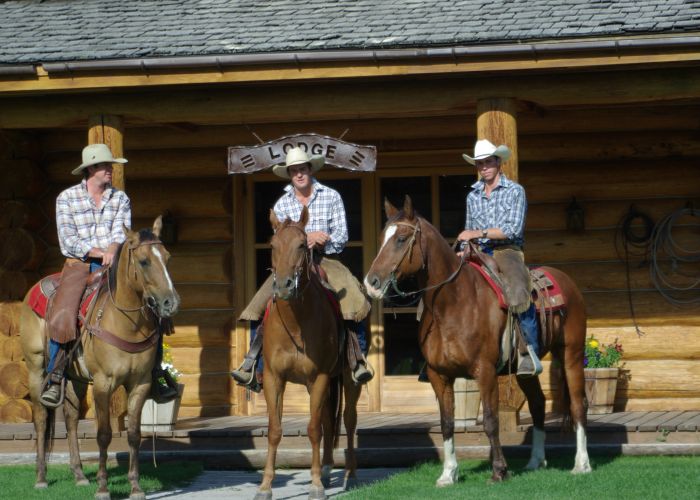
(390, 231)
(449, 464)
(157, 253)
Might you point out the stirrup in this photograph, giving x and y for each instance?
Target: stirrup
(362, 373)
(246, 379)
(529, 364)
(49, 391)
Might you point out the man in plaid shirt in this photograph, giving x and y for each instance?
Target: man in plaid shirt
(90, 218)
(326, 234)
(495, 217)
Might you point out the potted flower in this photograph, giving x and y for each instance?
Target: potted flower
(161, 417)
(601, 369)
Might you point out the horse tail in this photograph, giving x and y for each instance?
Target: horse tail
(336, 404)
(564, 401)
(50, 431)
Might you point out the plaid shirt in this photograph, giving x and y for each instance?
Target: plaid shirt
(82, 225)
(505, 209)
(326, 213)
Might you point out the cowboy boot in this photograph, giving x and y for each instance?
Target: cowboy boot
(161, 389)
(529, 364)
(246, 374)
(52, 395)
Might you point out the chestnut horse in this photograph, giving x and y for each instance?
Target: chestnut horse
(136, 296)
(301, 344)
(460, 335)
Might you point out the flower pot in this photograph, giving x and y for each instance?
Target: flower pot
(601, 384)
(161, 417)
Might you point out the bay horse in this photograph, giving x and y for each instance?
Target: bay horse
(302, 345)
(460, 336)
(130, 304)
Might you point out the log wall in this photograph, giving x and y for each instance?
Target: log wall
(608, 158)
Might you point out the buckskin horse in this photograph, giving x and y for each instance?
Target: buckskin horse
(460, 335)
(130, 304)
(303, 344)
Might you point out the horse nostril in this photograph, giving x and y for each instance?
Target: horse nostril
(375, 281)
(151, 302)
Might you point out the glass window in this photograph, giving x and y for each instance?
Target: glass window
(453, 191)
(396, 188)
(403, 356)
(266, 194)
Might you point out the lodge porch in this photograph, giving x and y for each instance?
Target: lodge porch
(383, 439)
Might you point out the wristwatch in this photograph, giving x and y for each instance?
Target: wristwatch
(484, 233)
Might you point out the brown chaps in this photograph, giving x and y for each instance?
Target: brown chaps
(515, 276)
(62, 315)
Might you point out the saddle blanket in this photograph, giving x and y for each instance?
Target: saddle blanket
(42, 291)
(546, 292)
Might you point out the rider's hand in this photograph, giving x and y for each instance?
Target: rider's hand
(469, 234)
(317, 239)
(107, 258)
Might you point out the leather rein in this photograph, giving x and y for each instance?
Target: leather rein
(97, 331)
(409, 251)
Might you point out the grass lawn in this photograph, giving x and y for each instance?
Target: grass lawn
(612, 478)
(18, 480)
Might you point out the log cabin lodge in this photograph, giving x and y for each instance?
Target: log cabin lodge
(599, 101)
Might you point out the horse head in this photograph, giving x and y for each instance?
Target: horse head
(290, 255)
(147, 273)
(400, 254)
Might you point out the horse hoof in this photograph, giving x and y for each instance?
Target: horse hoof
(41, 485)
(317, 493)
(350, 483)
(536, 463)
(263, 495)
(326, 471)
(582, 470)
(82, 482)
(138, 496)
(102, 496)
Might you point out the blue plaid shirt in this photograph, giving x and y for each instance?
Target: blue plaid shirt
(505, 209)
(82, 225)
(326, 213)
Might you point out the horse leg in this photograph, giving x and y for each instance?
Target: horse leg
(535, 401)
(137, 396)
(352, 395)
(573, 366)
(319, 393)
(274, 395)
(444, 390)
(328, 426)
(489, 398)
(75, 393)
(101, 394)
(43, 422)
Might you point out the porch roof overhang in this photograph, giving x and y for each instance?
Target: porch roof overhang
(537, 56)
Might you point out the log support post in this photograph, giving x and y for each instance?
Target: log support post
(496, 121)
(109, 130)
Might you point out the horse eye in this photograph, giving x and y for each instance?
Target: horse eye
(401, 239)
(144, 263)
(302, 246)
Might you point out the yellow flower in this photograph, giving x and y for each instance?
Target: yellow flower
(593, 343)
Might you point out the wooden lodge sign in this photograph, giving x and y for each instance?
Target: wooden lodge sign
(341, 154)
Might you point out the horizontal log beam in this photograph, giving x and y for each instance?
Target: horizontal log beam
(334, 101)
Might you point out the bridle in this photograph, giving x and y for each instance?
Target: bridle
(409, 251)
(304, 261)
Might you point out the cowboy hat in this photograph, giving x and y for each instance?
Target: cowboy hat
(297, 156)
(484, 149)
(94, 154)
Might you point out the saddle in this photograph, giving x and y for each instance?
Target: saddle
(42, 293)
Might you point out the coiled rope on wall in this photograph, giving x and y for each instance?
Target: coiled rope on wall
(676, 280)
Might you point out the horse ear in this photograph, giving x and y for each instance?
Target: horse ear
(274, 221)
(304, 217)
(408, 208)
(389, 209)
(158, 226)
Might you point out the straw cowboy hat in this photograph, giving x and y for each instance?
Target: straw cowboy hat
(297, 156)
(484, 148)
(94, 154)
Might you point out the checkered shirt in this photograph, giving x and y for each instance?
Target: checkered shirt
(82, 225)
(505, 209)
(326, 213)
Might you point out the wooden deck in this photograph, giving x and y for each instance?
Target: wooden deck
(382, 439)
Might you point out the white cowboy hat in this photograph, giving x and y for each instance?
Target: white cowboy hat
(484, 149)
(94, 154)
(297, 156)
